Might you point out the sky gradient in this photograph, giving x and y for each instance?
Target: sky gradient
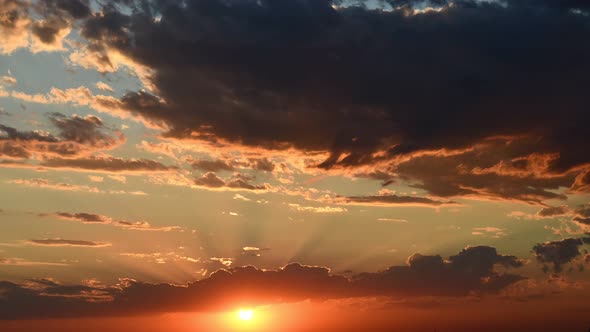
(391, 165)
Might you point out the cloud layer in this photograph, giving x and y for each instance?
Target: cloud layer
(469, 272)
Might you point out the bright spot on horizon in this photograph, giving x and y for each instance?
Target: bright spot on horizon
(245, 314)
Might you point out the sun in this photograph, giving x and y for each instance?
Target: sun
(245, 314)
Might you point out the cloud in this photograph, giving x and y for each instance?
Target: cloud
(103, 86)
(393, 220)
(210, 180)
(253, 251)
(40, 26)
(263, 164)
(14, 22)
(378, 101)
(495, 232)
(90, 218)
(237, 182)
(68, 243)
(393, 200)
(212, 165)
(481, 173)
(553, 211)
(317, 209)
(108, 164)
(95, 178)
(560, 252)
(77, 136)
(87, 218)
(118, 178)
(471, 271)
(7, 80)
(25, 262)
(371, 109)
(241, 198)
(49, 184)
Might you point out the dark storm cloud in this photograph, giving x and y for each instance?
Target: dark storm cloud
(355, 81)
(559, 253)
(469, 272)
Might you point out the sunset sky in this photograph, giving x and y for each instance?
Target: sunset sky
(386, 165)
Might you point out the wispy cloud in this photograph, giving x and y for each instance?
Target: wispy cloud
(57, 242)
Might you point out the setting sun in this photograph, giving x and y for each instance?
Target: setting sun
(245, 314)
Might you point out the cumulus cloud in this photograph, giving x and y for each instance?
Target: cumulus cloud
(471, 271)
(558, 253)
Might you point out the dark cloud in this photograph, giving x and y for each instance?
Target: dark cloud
(212, 165)
(393, 200)
(83, 130)
(108, 164)
(75, 136)
(553, 211)
(238, 181)
(582, 183)
(355, 81)
(472, 270)
(87, 218)
(494, 169)
(210, 180)
(559, 253)
(469, 272)
(91, 218)
(582, 215)
(48, 30)
(9, 133)
(75, 8)
(67, 243)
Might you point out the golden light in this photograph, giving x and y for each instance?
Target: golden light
(245, 314)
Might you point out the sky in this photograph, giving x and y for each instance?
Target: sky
(379, 165)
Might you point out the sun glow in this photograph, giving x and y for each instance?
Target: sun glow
(245, 314)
